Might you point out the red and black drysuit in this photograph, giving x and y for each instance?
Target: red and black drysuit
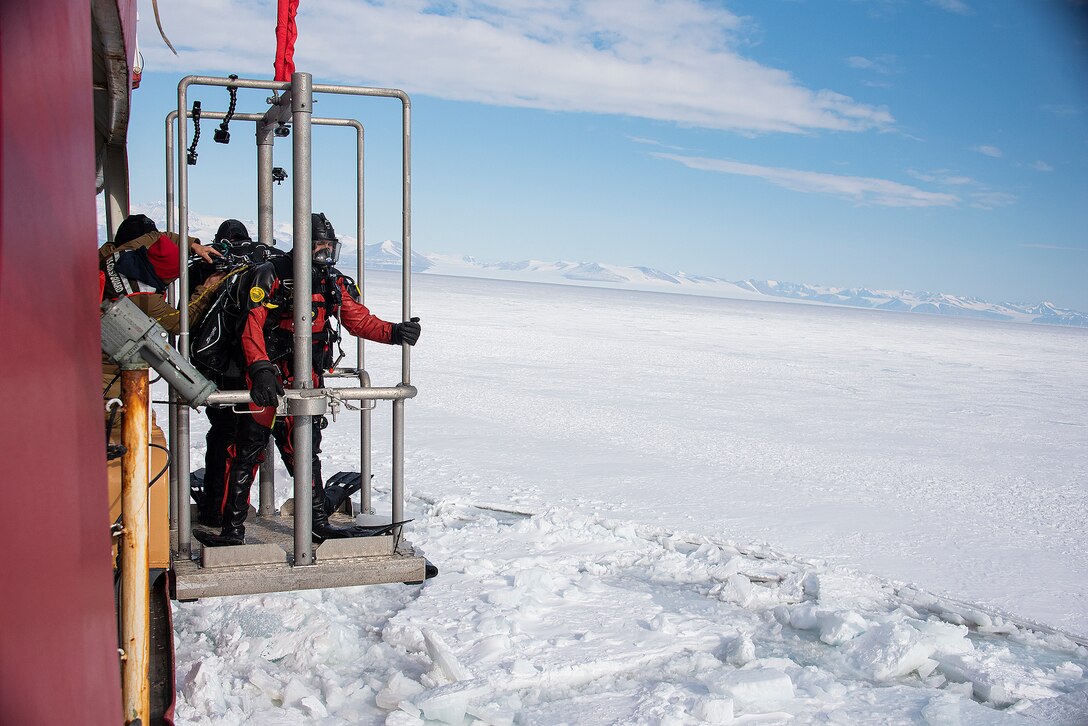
(267, 336)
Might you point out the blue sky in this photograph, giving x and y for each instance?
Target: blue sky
(934, 145)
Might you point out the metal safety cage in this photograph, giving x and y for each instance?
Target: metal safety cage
(292, 106)
(265, 179)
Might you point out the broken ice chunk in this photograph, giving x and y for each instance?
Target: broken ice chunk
(756, 690)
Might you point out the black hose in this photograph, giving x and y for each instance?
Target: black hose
(196, 134)
(112, 381)
(165, 466)
(222, 134)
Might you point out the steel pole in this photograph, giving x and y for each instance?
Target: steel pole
(406, 231)
(366, 505)
(185, 525)
(265, 139)
(367, 393)
(301, 115)
(171, 118)
(172, 417)
(135, 595)
(397, 493)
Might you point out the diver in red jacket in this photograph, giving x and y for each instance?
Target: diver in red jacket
(268, 347)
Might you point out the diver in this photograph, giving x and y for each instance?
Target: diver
(267, 344)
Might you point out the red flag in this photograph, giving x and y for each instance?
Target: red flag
(286, 34)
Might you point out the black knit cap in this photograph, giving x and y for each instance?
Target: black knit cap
(232, 231)
(135, 225)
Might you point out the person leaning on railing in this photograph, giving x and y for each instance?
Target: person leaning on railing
(140, 264)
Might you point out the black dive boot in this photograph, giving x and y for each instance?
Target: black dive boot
(322, 529)
(207, 501)
(231, 536)
(234, 515)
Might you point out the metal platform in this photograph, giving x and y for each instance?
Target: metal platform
(263, 564)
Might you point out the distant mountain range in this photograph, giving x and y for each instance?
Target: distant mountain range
(387, 256)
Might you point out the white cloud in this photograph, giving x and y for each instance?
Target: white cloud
(952, 6)
(881, 64)
(1041, 166)
(976, 193)
(991, 200)
(941, 176)
(1055, 247)
(670, 60)
(989, 151)
(652, 142)
(858, 189)
(1062, 109)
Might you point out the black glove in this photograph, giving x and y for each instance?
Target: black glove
(406, 332)
(264, 387)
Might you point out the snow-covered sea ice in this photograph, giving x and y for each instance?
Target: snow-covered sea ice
(612, 506)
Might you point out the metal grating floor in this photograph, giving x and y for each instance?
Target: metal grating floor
(262, 565)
